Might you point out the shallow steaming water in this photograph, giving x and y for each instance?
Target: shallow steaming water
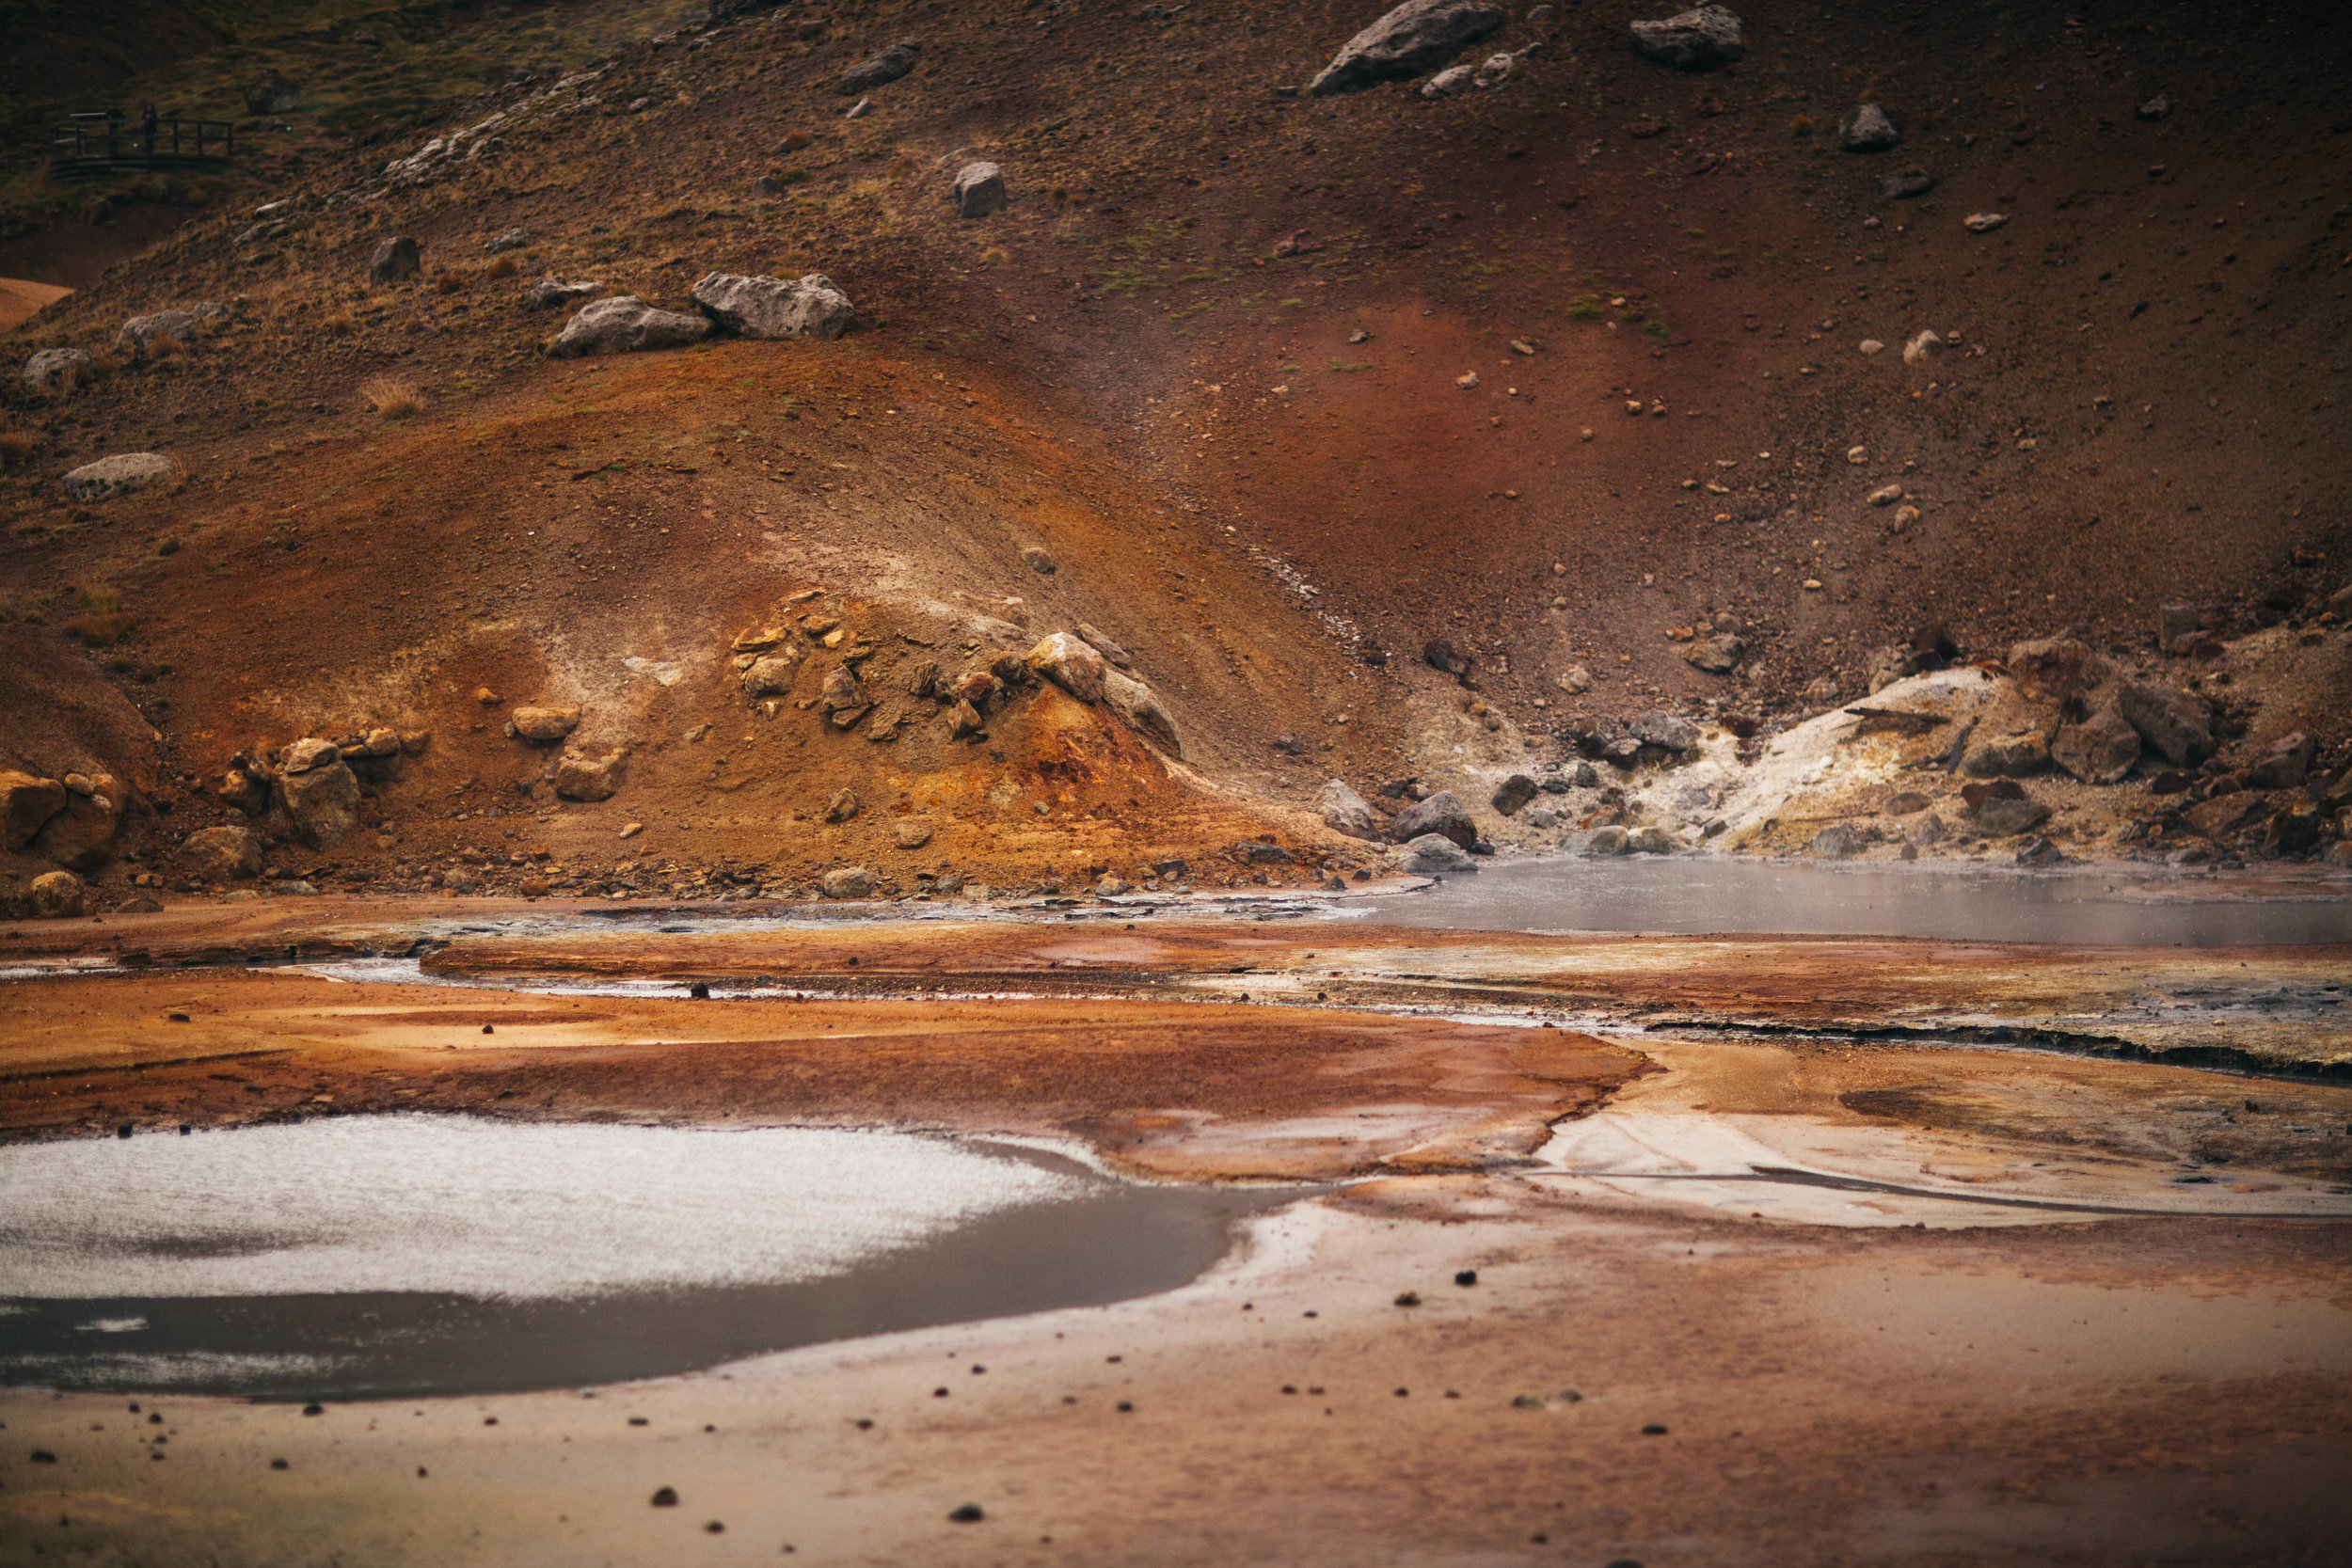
(1691, 895)
(384, 1256)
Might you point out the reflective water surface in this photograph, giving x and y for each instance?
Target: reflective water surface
(385, 1256)
(1691, 895)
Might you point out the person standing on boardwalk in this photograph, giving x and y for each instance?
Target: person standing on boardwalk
(147, 130)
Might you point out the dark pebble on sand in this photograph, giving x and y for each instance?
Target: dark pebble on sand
(1125, 1407)
(699, 992)
(665, 1497)
(637, 1420)
(314, 1410)
(715, 1528)
(968, 1513)
(1409, 1298)
(488, 1029)
(43, 1457)
(1653, 1430)
(279, 1465)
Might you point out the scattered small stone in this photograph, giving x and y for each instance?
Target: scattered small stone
(1899, 187)
(881, 68)
(1983, 223)
(1886, 495)
(1466, 1276)
(1868, 129)
(665, 1496)
(513, 239)
(395, 260)
(2158, 107)
(1409, 1298)
(1869, 346)
(1697, 40)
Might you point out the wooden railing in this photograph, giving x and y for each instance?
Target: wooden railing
(99, 144)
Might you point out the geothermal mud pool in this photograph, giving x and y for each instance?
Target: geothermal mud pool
(1157, 1231)
(384, 1256)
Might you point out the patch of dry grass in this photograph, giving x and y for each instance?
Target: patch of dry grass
(392, 397)
(450, 282)
(18, 448)
(503, 267)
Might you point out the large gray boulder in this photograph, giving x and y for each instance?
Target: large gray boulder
(1433, 853)
(52, 368)
(1140, 706)
(805, 307)
(2173, 721)
(395, 260)
(1441, 814)
(1670, 731)
(2284, 763)
(884, 66)
(980, 191)
(2100, 750)
(1698, 39)
(625, 324)
(223, 854)
(1343, 811)
(1068, 661)
(1418, 35)
(179, 326)
(119, 475)
(320, 806)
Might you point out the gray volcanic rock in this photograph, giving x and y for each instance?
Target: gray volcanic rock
(981, 190)
(119, 475)
(886, 65)
(321, 805)
(1138, 703)
(1697, 40)
(807, 306)
(1418, 35)
(52, 368)
(395, 260)
(549, 293)
(223, 854)
(2173, 721)
(1441, 814)
(1433, 853)
(1868, 129)
(2100, 750)
(1343, 811)
(625, 324)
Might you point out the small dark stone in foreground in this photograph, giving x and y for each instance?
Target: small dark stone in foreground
(1466, 1276)
(665, 1497)
(968, 1513)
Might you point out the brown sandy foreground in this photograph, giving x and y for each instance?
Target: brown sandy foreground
(1796, 1294)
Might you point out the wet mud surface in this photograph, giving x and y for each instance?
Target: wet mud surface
(1820, 1249)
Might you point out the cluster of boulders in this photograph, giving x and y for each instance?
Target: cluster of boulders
(1084, 663)
(805, 307)
(307, 789)
(2094, 721)
(573, 775)
(73, 820)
